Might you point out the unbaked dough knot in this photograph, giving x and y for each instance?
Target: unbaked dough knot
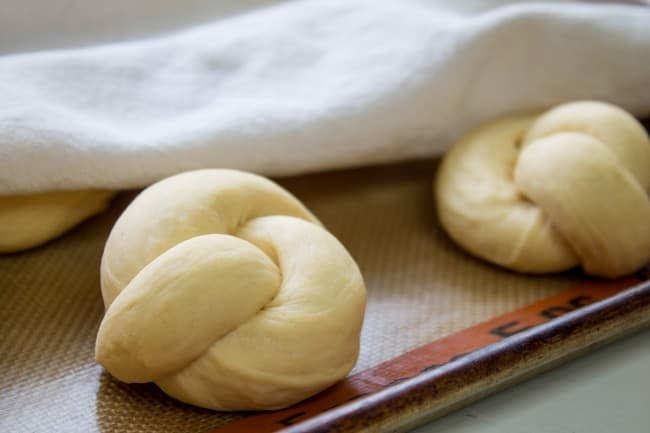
(547, 193)
(225, 290)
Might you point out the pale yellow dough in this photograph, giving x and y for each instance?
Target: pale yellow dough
(548, 193)
(27, 221)
(224, 290)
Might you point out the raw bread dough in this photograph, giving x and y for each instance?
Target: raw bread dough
(30, 220)
(547, 193)
(224, 289)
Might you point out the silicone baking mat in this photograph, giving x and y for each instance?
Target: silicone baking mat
(421, 343)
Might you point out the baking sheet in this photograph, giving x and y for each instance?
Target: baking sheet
(420, 288)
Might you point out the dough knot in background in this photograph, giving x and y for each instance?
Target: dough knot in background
(224, 290)
(548, 193)
(27, 221)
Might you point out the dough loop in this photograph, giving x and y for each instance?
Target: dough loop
(548, 193)
(224, 290)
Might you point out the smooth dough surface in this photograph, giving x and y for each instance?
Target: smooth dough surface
(548, 193)
(224, 290)
(27, 221)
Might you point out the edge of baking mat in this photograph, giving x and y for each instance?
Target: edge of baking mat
(446, 374)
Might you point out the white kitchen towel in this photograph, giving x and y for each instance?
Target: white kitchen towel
(306, 86)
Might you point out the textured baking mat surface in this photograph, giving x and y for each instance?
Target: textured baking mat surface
(420, 288)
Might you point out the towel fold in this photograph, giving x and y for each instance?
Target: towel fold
(307, 86)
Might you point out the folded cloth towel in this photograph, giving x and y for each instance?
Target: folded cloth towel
(306, 86)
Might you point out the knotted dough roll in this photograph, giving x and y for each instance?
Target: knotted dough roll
(545, 194)
(224, 290)
(27, 221)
